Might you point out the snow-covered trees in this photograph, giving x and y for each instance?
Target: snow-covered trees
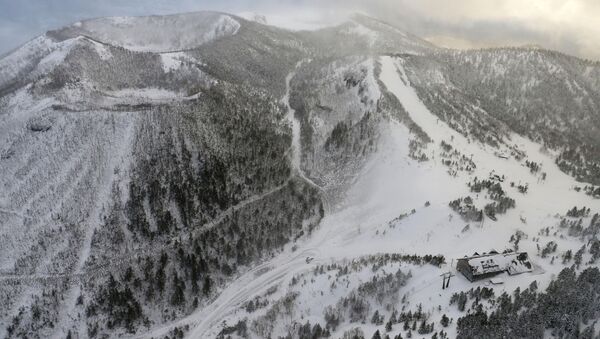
(485, 93)
(466, 209)
(118, 303)
(445, 321)
(569, 301)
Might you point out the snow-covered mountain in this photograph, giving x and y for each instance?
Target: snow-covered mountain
(209, 176)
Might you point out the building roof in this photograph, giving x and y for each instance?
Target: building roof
(512, 262)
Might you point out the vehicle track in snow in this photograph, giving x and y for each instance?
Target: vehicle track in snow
(281, 270)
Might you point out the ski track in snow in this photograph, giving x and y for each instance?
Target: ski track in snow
(121, 159)
(390, 184)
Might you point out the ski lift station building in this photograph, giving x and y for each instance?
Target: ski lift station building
(481, 266)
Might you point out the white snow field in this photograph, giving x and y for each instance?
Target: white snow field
(303, 20)
(76, 184)
(390, 184)
(86, 110)
(160, 33)
(295, 124)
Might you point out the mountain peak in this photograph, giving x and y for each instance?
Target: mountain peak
(254, 16)
(165, 33)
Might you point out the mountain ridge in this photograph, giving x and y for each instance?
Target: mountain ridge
(253, 176)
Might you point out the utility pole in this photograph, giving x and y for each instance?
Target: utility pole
(446, 279)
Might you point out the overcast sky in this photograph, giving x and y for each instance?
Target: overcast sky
(571, 26)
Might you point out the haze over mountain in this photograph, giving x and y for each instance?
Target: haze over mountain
(208, 175)
(566, 26)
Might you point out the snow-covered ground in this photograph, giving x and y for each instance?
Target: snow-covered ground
(294, 123)
(74, 185)
(160, 33)
(392, 184)
(175, 60)
(360, 30)
(150, 94)
(297, 20)
(394, 204)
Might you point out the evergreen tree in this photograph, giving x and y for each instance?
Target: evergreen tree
(445, 321)
(206, 288)
(178, 295)
(579, 256)
(595, 250)
(375, 319)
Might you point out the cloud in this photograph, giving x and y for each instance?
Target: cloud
(569, 26)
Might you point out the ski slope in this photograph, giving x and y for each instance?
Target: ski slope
(390, 184)
(384, 202)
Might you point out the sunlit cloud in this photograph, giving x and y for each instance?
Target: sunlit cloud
(570, 26)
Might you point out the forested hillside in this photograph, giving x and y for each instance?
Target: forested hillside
(210, 176)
